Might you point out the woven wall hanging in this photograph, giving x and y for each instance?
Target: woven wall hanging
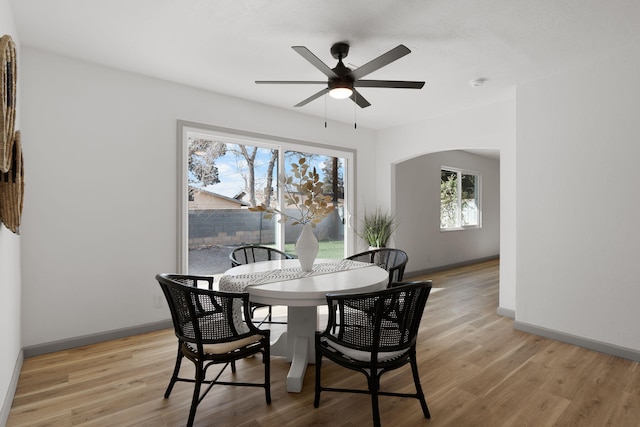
(7, 99)
(12, 189)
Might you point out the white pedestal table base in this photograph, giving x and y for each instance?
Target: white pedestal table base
(297, 344)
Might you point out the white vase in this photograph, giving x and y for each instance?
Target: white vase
(307, 248)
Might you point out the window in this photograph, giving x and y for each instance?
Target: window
(223, 172)
(459, 199)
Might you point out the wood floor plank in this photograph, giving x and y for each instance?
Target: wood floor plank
(476, 370)
(542, 410)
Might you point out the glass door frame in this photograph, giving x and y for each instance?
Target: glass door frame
(267, 141)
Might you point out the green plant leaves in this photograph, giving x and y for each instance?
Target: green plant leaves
(378, 227)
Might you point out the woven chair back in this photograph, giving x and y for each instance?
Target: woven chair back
(383, 321)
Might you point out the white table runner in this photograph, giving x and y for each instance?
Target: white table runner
(239, 282)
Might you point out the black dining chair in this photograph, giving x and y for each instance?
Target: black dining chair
(380, 335)
(248, 254)
(213, 328)
(391, 259)
(195, 281)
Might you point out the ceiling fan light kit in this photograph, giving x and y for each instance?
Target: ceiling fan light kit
(342, 81)
(340, 92)
(340, 88)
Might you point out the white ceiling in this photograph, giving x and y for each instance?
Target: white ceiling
(225, 45)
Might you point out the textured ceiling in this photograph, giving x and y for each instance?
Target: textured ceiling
(225, 45)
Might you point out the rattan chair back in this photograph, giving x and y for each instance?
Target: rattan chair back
(255, 253)
(391, 259)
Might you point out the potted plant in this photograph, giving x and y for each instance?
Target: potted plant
(377, 228)
(303, 191)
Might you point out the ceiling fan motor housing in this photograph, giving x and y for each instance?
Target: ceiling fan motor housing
(345, 79)
(340, 50)
(340, 82)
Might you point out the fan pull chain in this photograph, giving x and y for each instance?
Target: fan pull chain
(355, 110)
(325, 111)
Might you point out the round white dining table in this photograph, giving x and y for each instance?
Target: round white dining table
(302, 296)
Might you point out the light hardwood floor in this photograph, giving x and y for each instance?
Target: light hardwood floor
(476, 370)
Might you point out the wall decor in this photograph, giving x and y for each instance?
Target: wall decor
(7, 99)
(12, 189)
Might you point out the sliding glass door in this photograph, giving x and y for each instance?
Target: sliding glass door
(223, 173)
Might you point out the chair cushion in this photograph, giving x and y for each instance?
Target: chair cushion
(365, 356)
(227, 347)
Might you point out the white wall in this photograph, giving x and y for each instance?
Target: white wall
(489, 127)
(417, 201)
(100, 211)
(577, 174)
(9, 256)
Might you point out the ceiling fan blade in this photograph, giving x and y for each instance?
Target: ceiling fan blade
(359, 99)
(396, 84)
(382, 60)
(315, 61)
(312, 97)
(287, 82)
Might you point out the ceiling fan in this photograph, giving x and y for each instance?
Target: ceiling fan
(343, 81)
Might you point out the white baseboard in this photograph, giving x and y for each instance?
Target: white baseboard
(506, 312)
(11, 390)
(602, 347)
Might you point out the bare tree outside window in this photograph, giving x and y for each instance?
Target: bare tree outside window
(268, 188)
(202, 156)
